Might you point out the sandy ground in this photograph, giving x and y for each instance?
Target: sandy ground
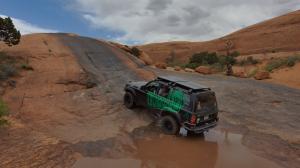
(57, 121)
(287, 76)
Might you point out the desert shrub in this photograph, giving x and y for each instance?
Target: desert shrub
(26, 67)
(249, 61)
(292, 60)
(204, 58)
(191, 65)
(7, 70)
(274, 64)
(3, 112)
(135, 51)
(218, 62)
(282, 62)
(3, 56)
(218, 66)
(230, 60)
(6, 59)
(252, 72)
(235, 54)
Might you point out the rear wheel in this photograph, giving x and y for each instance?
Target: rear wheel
(169, 125)
(129, 100)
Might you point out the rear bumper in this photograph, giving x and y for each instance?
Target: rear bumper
(200, 128)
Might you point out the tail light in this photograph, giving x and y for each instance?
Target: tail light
(193, 119)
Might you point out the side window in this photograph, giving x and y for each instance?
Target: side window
(152, 87)
(186, 99)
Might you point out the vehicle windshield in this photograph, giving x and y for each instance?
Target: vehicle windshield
(206, 102)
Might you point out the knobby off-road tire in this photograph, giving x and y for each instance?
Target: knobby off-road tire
(168, 125)
(129, 100)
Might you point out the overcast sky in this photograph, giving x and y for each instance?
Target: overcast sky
(145, 21)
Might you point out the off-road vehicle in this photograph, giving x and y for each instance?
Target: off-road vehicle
(179, 104)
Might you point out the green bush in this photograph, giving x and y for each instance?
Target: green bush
(135, 51)
(204, 58)
(191, 65)
(3, 112)
(275, 64)
(278, 63)
(6, 71)
(235, 54)
(211, 59)
(291, 61)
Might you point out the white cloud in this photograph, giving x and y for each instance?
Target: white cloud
(164, 20)
(28, 28)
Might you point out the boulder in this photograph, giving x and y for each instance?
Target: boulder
(161, 65)
(189, 70)
(177, 68)
(203, 70)
(260, 75)
(240, 74)
(170, 68)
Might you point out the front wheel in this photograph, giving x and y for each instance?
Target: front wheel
(129, 100)
(169, 125)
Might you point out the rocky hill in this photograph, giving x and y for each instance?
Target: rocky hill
(277, 36)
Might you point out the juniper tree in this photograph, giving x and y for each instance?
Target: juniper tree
(8, 32)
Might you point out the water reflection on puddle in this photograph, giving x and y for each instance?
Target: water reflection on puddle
(215, 150)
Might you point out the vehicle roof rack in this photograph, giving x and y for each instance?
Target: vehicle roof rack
(182, 83)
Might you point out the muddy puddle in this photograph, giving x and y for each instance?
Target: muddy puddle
(214, 150)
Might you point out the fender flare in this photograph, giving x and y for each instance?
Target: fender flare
(131, 91)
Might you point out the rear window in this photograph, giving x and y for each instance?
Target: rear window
(206, 102)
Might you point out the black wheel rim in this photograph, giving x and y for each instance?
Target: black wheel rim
(168, 125)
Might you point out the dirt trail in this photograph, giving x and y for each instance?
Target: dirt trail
(274, 105)
(259, 124)
(105, 63)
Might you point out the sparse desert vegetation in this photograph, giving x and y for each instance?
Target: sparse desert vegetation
(9, 67)
(210, 60)
(282, 62)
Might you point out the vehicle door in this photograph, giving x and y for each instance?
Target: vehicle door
(152, 86)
